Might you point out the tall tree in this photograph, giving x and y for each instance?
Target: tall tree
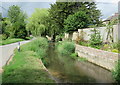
(61, 10)
(17, 18)
(36, 23)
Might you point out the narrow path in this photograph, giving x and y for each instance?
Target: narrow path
(6, 51)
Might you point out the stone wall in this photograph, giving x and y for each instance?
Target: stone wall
(103, 32)
(99, 57)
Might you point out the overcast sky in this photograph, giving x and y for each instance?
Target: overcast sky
(107, 7)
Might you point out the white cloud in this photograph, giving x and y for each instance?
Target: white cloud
(108, 1)
(28, 0)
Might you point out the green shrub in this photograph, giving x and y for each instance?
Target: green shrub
(39, 46)
(74, 55)
(116, 72)
(95, 40)
(4, 37)
(59, 37)
(116, 45)
(115, 50)
(84, 43)
(65, 48)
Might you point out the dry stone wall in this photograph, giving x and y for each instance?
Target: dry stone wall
(99, 57)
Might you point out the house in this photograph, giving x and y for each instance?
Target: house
(113, 17)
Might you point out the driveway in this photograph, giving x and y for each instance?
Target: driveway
(6, 51)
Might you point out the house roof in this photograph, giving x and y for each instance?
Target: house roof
(113, 17)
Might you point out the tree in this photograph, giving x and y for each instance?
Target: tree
(76, 21)
(36, 23)
(17, 18)
(61, 10)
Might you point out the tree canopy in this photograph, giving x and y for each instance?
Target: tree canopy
(78, 20)
(17, 18)
(60, 11)
(36, 23)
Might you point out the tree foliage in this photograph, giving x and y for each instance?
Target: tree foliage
(76, 21)
(61, 10)
(17, 18)
(36, 23)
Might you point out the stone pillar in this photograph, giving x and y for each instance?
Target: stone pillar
(75, 35)
(66, 35)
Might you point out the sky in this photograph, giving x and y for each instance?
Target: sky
(107, 7)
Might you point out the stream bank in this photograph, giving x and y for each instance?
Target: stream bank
(67, 70)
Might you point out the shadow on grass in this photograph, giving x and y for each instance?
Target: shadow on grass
(26, 76)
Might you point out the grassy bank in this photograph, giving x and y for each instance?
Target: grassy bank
(26, 66)
(9, 41)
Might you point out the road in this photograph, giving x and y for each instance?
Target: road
(6, 51)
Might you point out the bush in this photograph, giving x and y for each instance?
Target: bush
(115, 50)
(39, 46)
(116, 72)
(74, 55)
(116, 45)
(65, 48)
(4, 37)
(83, 43)
(95, 40)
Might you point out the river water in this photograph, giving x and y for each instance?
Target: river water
(66, 70)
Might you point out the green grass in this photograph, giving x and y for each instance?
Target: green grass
(9, 41)
(65, 47)
(26, 67)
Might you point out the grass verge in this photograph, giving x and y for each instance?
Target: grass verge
(9, 41)
(26, 66)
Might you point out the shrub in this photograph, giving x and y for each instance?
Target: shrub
(4, 37)
(59, 37)
(116, 45)
(95, 40)
(39, 46)
(84, 43)
(116, 72)
(74, 55)
(115, 50)
(66, 48)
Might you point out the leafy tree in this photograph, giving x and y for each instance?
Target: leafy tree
(36, 23)
(76, 21)
(17, 18)
(61, 10)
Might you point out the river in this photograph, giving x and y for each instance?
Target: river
(67, 70)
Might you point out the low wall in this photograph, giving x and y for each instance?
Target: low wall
(99, 57)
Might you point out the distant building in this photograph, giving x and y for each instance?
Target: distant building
(113, 17)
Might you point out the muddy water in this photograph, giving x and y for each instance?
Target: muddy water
(66, 70)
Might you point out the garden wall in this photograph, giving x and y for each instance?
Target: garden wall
(103, 32)
(99, 57)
